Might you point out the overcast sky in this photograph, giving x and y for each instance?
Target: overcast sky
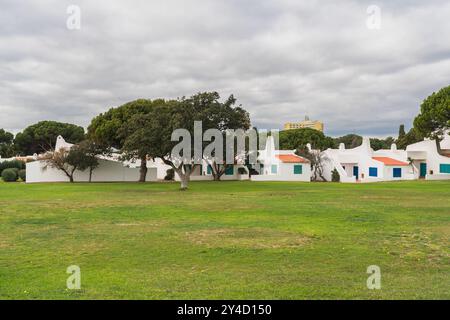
(282, 59)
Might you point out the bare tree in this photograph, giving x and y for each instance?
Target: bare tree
(317, 160)
(60, 160)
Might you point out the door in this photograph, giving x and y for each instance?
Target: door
(423, 170)
(356, 171)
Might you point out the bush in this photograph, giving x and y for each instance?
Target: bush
(335, 177)
(170, 175)
(23, 174)
(10, 175)
(19, 165)
(242, 170)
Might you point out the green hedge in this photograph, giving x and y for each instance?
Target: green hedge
(23, 175)
(10, 174)
(19, 165)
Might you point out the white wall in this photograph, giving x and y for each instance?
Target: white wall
(426, 152)
(108, 171)
(285, 173)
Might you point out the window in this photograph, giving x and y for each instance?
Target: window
(274, 169)
(373, 172)
(397, 172)
(209, 169)
(229, 171)
(444, 168)
(298, 169)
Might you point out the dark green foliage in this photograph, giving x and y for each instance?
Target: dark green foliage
(335, 176)
(23, 175)
(170, 175)
(350, 141)
(242, 171)
(378, 144)
(41, 137)
(299, 138)
(411, 137)
(401, 131)
(19, 165)
(10, 175)
(434, 117)
(6, 144)
(353, 140)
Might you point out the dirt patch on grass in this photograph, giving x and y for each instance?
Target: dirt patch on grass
(250, 238)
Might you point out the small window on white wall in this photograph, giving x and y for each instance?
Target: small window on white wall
(274, 169)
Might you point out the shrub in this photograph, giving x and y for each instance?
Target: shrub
(335, 177)
(242, 170)
(9, 175)
(170, 175)
(19, 165)
(23, 174)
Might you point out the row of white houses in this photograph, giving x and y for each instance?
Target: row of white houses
(361, 164)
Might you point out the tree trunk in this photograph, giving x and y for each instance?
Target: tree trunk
(143, 170)
(184, 181)
(438, 147)
(90, 174)
(71, 178)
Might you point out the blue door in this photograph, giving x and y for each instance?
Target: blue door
(423, 170)
(356, 171)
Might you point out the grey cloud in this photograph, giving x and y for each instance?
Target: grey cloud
(282, 59)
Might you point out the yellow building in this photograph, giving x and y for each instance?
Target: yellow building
(318, 125)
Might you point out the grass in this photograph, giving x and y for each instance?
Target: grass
(225, 240)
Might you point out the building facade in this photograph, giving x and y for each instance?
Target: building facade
(312, 124)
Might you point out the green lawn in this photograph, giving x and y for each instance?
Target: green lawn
(225, 240)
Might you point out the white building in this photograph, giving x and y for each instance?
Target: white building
(110, 169)
(201, 172)
(362, 164)
(281, 165)
(428, 163)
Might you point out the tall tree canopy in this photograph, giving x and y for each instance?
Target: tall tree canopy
(6, 144)
(41, 137)
(299, 138)
(114, 128)
(153, 131)
(434, 117)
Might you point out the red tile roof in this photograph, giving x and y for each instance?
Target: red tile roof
(291, 158)
(390, 162)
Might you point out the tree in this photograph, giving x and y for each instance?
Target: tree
(434, 117)
(350, 140)
(353, 140)
(40, 137)
(335, 176)
(401, 132)
(63, 160)
(377, 144)
(299, 138)
(6, 144)
(113, 129)
(84, 156)
(317, 160)
(411, 137)
(158, 126)
(223, 116)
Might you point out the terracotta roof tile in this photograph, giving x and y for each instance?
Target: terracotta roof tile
(291, 158)
(390, 162)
